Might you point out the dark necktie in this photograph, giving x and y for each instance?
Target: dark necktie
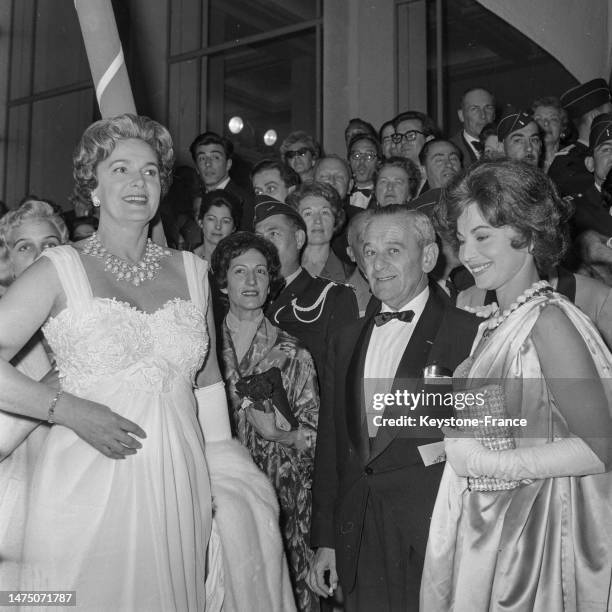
(477, 146)
(384, 317)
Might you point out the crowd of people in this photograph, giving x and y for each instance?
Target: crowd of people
(218, 420)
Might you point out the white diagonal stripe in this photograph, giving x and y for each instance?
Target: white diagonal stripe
(111, 71)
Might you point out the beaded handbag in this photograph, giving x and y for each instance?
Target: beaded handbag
(494, 437)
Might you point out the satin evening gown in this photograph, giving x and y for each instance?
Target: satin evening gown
(547, 544)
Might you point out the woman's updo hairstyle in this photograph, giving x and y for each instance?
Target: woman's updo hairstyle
(99, 140)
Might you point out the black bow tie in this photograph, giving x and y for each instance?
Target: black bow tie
(478, 146)
(366, 192)
(384, 317)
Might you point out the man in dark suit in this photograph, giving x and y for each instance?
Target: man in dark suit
(476, 110)
(372, 493)
(308, 307)
(212, 155)
(441, 160)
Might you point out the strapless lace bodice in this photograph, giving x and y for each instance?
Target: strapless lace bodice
(99, 342)
(110, 338)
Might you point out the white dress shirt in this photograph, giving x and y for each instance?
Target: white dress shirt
(469, 140)
(385, 351)
(220, 185)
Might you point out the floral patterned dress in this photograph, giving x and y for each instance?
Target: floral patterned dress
(289, 469)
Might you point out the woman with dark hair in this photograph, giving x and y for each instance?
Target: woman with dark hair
(321, 208)
(274, 399)
(522, 518)
(219, 215)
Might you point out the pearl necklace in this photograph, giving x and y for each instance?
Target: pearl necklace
(146, 269)
(497, 318)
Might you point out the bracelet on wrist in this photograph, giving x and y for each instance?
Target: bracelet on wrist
(52, 405)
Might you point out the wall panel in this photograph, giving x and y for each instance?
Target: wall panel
(57, 125)
(183, 109)
(17, 154)
(60, 58)
(22, 48)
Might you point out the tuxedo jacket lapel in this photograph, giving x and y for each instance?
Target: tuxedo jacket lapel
(409, 373)
(355, 405)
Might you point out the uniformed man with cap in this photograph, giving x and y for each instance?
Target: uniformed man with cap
(520, 135)
(592, 221)
(591, 213)
(308, 307)
(583, 103)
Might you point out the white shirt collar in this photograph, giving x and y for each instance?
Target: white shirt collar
(417, 304)
(220, 185)
(468, 138)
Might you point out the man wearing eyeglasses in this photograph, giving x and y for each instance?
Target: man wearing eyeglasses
(477, 109)
(364, 158)
(412, 130)
(385, 135)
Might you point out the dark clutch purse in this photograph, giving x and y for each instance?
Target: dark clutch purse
(265, 392)
(493, 437)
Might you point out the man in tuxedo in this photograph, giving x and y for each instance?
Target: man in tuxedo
(373, 494)
(212, 155)
(476, 110)
(364, 156)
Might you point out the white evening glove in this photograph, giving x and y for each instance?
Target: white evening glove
(565, 457)
(213, 413)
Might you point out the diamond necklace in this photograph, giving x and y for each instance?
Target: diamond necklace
(146, 269)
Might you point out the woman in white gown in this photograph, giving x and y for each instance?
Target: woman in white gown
(123, 522)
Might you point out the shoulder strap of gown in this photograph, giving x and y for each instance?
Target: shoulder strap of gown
(72, 275)
(196, 271)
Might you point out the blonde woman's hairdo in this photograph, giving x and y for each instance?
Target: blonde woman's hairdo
(32, 209)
